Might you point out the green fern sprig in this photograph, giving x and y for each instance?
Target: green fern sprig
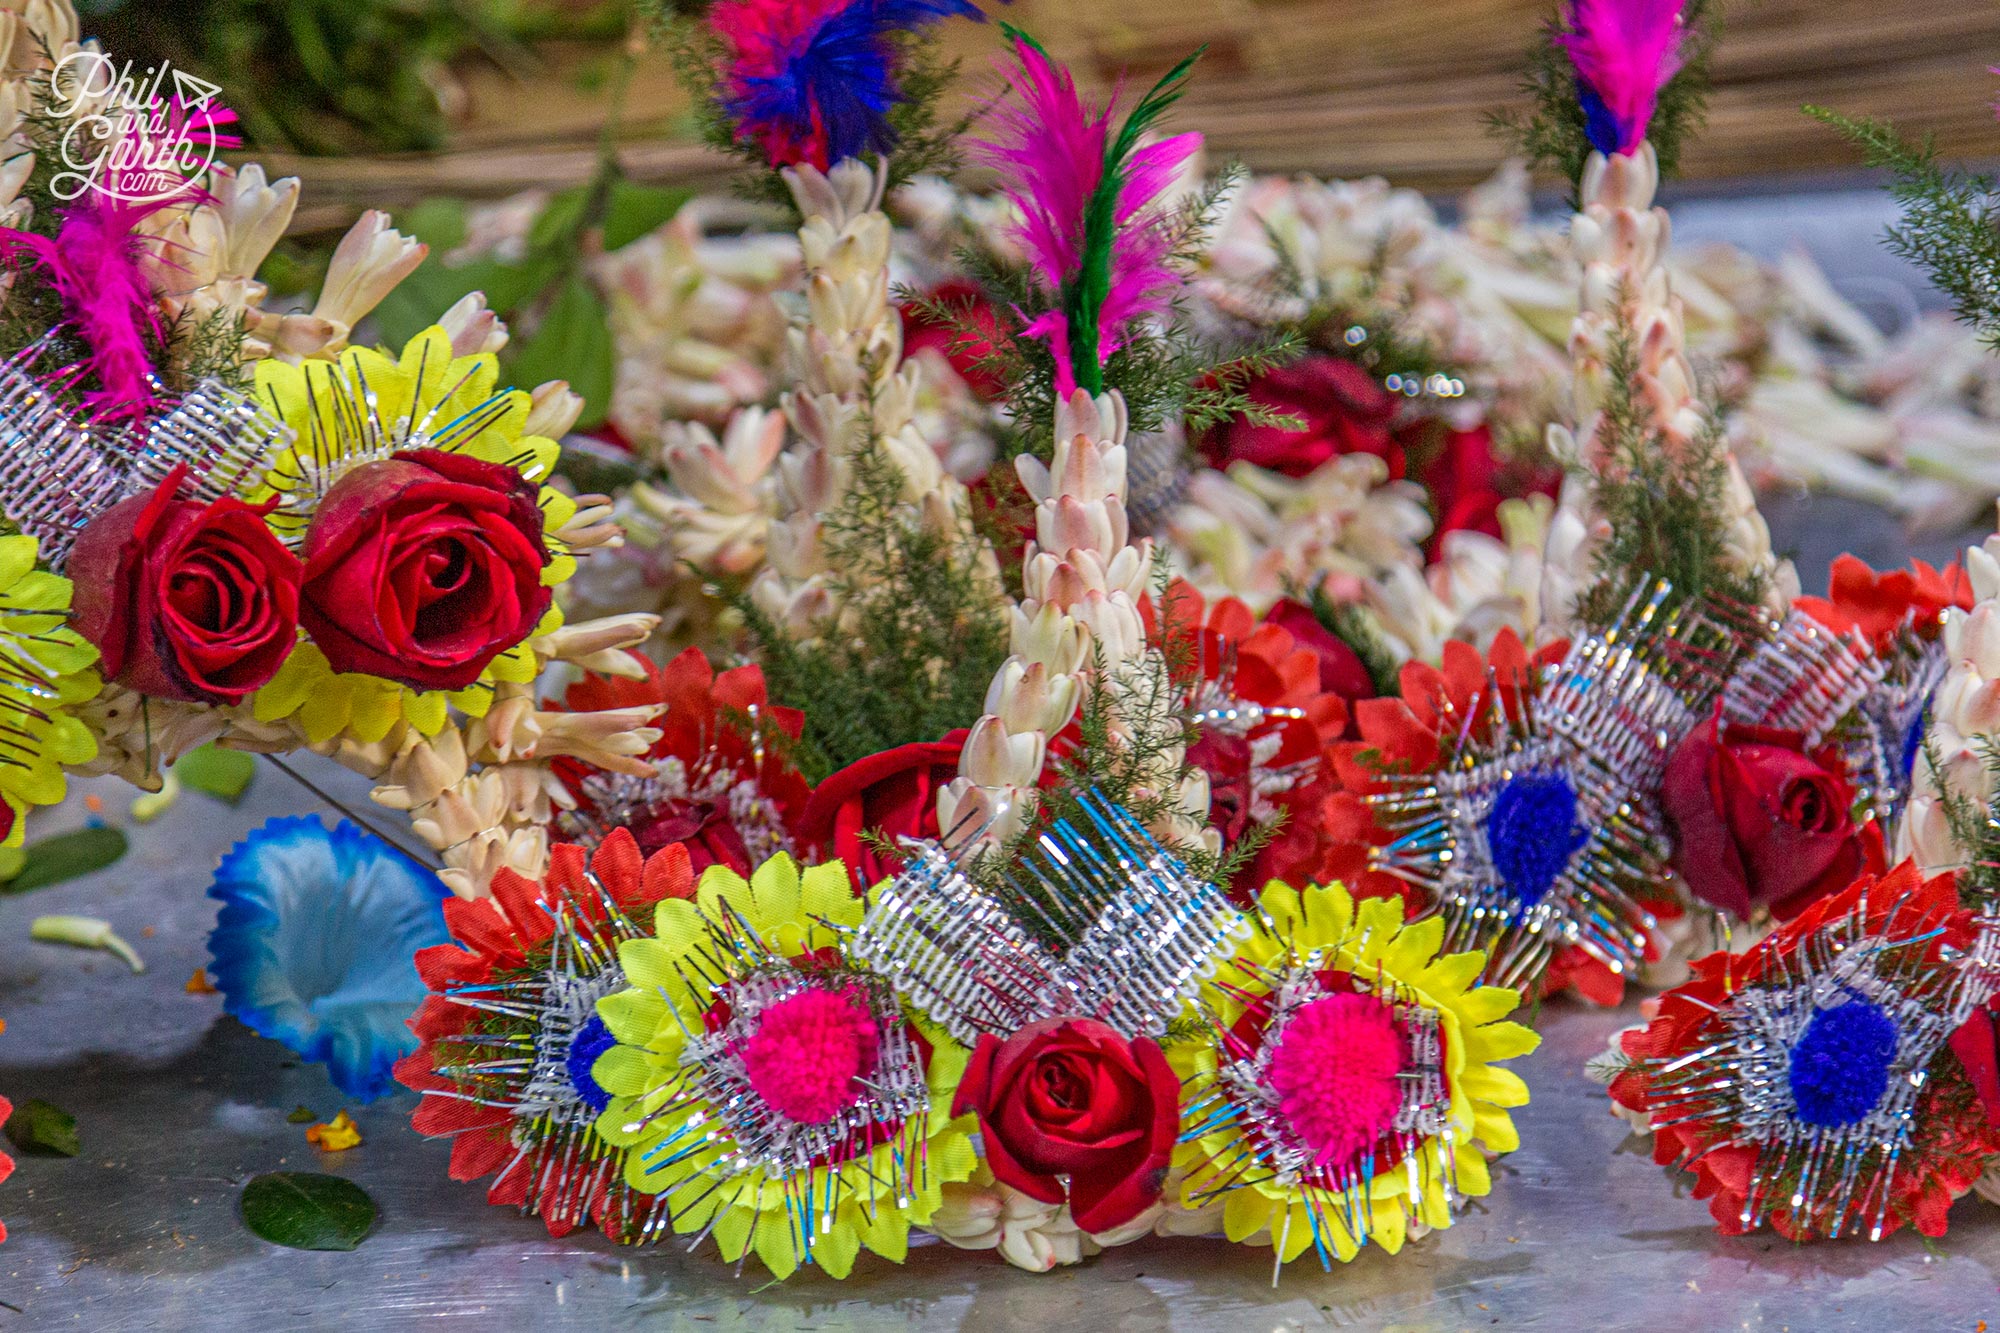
(1951, 218)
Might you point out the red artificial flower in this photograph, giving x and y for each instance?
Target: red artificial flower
(423, 568)
(1408, 734)
(1759, 822)
(505, 937)
(956, 344)
(727, 794)
(1952, 1138)
(1878, 606)
(892, 794)
(186, 600)
(1275, 769)
(1343, 407)
(1405, 734)
(6, 1162)
(1069, 1100)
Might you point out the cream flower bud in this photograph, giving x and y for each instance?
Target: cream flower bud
(474, 329)
(370, 260)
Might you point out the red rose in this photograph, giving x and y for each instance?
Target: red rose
(1344, 409)
(892, 794)
(185, 600)
(960, 346)
(1758, 822)
(423, 568)
(1070, 1097)
(1341, 670)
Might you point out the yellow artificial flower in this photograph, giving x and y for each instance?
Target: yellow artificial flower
(721, 959)
(363, 408)
(331, 703)
(46, 669)
(1314, 945)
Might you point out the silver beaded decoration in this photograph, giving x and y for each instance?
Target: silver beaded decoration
(1837, 689)
(515, 1052)
(955, 955)
(1603, 723)
(1145, 932)
(222, 436)
(54, 473)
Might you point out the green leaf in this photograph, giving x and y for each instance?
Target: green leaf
(415, 303)
(439, 223)
(65, 856)
(304, 1210)
(219, 772)
(38, 1128)
(11, 861)
(638, 210)
(302, 1115)
(556, 227)
(574, 344)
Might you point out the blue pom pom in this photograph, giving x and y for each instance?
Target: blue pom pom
(1532, 833)
(591, 1040)
(1840, 1067)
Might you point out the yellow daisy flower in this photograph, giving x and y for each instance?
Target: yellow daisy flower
(366, 407)
(773, 1093)
(45, 670)
(1348, 1088)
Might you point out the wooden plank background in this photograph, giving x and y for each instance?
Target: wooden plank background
(1332, 87)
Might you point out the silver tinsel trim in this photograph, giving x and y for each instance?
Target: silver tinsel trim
(1602, 723)
(1803, 678)
(57, 473)
(225, 439)
(1146, 932)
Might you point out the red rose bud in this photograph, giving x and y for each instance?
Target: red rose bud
(185, 600)
(892, 794)
(1070, 1097)
(1758, 822)
(423, 568)
(1344, 409)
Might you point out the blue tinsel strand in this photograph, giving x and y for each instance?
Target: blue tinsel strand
(591, 1040)
(1913, 742)
(1840, 1067)
(1532, 833)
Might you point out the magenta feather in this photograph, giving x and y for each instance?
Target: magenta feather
(1091, 220)
(1624, 52)
(93, 264)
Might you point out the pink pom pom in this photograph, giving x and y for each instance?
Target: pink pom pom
(809, 1051)
(1335, 1074)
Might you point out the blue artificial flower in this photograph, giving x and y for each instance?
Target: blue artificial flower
(315, 943)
